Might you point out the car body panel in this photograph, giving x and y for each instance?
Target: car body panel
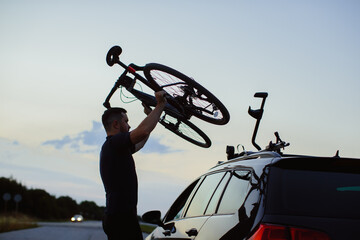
(180, 228)
(217, 226)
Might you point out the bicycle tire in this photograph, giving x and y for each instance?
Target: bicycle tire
(174, 122)
(186, 130)
(195, 99)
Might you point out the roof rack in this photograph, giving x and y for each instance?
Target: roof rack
(249, 155)
(230, 151)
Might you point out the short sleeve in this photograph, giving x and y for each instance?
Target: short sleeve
(122, 140)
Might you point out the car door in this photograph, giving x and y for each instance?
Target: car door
(185, 218)
(227, 219)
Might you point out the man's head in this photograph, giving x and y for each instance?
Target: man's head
(115, 120)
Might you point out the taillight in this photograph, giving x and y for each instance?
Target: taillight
(277, 232)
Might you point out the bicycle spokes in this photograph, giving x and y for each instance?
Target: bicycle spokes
(190, 98)
(194, 99)
(186, 130)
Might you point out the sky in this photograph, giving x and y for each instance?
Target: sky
(54, 79)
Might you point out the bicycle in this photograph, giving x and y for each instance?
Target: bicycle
(186, 97)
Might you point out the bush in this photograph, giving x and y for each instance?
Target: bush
(42, 205)
(12, 222)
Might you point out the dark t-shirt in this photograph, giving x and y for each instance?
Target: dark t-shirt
(117, 170)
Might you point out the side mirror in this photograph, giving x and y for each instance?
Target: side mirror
(153, 217)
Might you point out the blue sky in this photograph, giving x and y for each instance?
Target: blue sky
(54, 79)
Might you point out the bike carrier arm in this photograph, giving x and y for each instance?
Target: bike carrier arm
(257, 114)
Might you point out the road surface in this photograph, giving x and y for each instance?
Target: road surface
(87, 230)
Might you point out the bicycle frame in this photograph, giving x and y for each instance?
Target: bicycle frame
(129, 83)
(124, 81)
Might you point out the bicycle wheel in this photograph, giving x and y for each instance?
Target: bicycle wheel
(194, 98)
(185, 129)
(173, 121)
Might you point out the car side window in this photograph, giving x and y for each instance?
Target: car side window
(176, 209)
(217, 194)
(203, 195)
(235, 192)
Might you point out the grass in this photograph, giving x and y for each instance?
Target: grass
(147, 228)
(12, 222)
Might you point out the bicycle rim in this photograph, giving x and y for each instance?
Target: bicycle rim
(195, 99)
(173, 121)
(186, 130)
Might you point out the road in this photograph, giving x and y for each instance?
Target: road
(87, 230)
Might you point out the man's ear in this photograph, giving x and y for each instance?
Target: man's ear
(115, 124)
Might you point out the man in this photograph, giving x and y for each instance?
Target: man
(117, 168)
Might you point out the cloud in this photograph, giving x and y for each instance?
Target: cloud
(58, 144)
(86, 141)
(91, 142)
(154, 145)
(95, 137)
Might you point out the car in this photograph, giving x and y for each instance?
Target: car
(267, 195)
(77, 218)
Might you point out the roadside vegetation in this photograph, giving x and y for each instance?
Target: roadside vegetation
(12, 222)
(38, 205)
(41, 205)
(147, 228)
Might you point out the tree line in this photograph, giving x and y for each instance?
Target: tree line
(40, 204)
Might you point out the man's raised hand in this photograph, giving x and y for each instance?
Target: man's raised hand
(160, 98)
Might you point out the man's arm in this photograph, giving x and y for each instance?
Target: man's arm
(142, 132)
(140, 145)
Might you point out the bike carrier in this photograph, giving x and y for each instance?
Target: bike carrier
(272, 147)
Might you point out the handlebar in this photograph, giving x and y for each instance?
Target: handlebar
(114, 88)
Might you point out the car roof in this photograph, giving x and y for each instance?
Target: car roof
(257, 161)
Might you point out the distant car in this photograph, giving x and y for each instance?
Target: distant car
(77, 218)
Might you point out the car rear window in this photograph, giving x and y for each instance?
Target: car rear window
(328, 190)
